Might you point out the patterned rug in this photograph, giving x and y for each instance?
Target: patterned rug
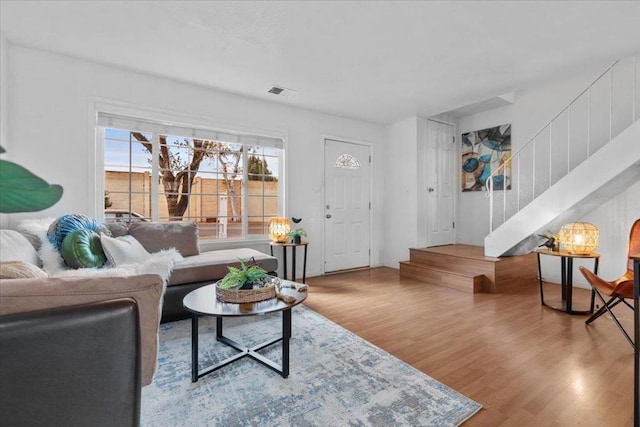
(336, 379)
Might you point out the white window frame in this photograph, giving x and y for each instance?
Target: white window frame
(100, 108)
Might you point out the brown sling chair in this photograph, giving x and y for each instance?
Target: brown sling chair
(618, 290)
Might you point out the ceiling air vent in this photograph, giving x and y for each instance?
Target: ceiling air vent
(282, 91)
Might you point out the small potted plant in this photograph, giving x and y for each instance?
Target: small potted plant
(246, 284)
(295, 235)
(245, 277)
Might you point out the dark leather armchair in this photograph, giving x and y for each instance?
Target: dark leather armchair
(74, 366)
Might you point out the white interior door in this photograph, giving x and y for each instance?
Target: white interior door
(347, 206)
(440, 185)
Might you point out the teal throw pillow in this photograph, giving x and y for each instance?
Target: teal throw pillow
(82, 249)
(64, 225)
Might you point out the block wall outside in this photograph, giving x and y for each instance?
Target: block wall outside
(203, 204)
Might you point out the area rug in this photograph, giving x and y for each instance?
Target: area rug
(336, 379)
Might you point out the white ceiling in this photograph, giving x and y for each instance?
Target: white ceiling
(376, 61)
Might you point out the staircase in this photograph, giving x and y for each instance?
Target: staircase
(570, 166)
(466, 268)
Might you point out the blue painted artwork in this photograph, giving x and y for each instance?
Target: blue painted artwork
(484, 152)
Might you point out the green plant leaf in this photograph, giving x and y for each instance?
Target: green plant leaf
(22, 191)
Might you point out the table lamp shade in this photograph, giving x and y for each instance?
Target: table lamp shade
(579, 237)
(279, 228)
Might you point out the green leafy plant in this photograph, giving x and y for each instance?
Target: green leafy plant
(245, 277)
(297, 232)
(23, 191)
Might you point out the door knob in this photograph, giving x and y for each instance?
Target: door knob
(430, 190)
(328, 216)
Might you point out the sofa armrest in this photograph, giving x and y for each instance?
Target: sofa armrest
(75, 365)
(26, 295)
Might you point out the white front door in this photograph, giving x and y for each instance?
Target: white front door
(440, 183)
(347, 206)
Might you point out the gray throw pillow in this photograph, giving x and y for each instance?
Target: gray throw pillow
(123, 250)
(156, 236)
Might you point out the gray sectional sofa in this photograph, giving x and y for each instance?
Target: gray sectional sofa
(197, 268)
(35, 290)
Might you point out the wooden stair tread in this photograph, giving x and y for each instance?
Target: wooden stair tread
(442, 277)
(459, 251)
(441, 269)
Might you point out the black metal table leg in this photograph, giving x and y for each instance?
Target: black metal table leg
(304, 265)
(563, 280)
(569, 284)
(284, 250)
(219, 328)
(540, 281)
(286, 335)
(294, 249)
(194, 348)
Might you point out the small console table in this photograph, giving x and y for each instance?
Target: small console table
(284, 247)
(566, 261)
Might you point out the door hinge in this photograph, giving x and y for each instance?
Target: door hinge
(369, 205)
(454, 138)
(369, 158)
(454, 225)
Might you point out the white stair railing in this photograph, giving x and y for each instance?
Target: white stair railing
(596, 116)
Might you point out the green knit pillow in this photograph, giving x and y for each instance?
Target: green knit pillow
(82, 249)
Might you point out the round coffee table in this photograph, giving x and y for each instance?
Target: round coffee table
(203, 302)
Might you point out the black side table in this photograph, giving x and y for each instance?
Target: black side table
(284, 247)
(566, 260)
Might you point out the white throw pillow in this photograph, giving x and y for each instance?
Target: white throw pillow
(123, 250)
(15, 247)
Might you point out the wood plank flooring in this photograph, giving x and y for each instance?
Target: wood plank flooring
(526, 364)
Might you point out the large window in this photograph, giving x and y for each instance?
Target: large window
(227, 183)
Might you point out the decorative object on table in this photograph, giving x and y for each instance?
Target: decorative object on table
(483, 151)
(296, 220)
(279, 228)
(249, 283)
(295, 235)
(579, 237)
(22, 191)
(553, 241)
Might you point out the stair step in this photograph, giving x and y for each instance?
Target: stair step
(498, 274)
(466, 258)
(442, 276)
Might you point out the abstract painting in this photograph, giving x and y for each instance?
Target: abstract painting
(483, 152)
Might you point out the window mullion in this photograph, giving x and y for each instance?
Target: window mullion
(155, 177)
(245, 192)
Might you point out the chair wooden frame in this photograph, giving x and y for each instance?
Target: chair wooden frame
(619, 290)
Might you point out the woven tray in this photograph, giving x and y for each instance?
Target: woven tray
(246, 295)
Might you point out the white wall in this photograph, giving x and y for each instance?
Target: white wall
(534, 108)
(400, 191)
(50, 102)
(4, 100)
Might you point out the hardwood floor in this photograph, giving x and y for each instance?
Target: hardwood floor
(526, 364)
